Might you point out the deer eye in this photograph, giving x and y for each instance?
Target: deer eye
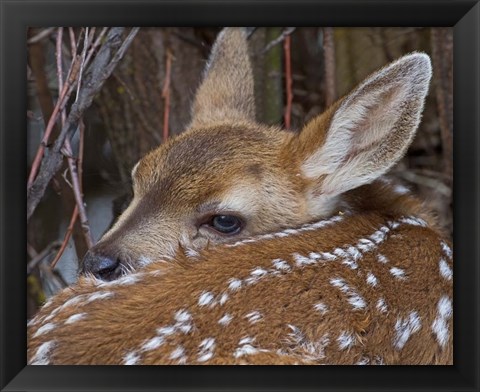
(226, 224)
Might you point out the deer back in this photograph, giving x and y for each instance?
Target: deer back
(371, 288)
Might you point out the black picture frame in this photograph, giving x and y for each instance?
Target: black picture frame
(17, 15)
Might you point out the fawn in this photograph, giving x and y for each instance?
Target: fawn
(253, 245)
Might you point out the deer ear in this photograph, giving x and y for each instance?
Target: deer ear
(226, 92)
(369, 130)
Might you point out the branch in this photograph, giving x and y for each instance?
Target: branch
(280, 38)
(329, 58)
(100, 69)
(288, 81)
(166, 95)
(41, 35)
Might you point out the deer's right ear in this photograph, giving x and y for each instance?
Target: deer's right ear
(368, 131)
(226, 92)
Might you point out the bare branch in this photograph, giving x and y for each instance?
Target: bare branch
(41, 35)
(286, 32)
(329, 57)
(100, 69)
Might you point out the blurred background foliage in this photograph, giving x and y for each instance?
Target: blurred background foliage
(148, 98)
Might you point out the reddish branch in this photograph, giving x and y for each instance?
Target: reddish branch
(100, 69)
(76, 177)
(288, 81)
(166, 95)
(442, 54)
(329, 58)
(62, 100)
(78, 194)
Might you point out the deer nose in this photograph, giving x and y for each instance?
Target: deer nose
(101, 266)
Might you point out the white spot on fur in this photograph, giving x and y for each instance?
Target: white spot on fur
(363, 361)
(225, 320)
(246, 349)
(378, 236)
(287, 232)
(166, 331)
(76, 317)
(300, 260)
(341, 253)
(352, 264)
(42, 356)
(223, 298)
(177, 353)
(414, 221)
(446, 249)
(182, 316)
(44, 329)
(345, 340)
(381, 305)
(206, 347)
(398, 273)
(234, 284)
(404, 328)
(206, 298)
(445, 270)
(153, 343)
(440, 324)
(258, 272)
(371, 279)
(382, 259)
(99, 295)
(328, 256)
(281, 265)
(354, 298)
(254, 317)
(313, 350)
(320, 307)
(246, 340)
(354, 252)
(131, 358)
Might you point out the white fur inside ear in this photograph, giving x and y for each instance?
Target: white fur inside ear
(373, 126)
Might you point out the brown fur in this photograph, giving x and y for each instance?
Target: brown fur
(115, 326)
(374, 247)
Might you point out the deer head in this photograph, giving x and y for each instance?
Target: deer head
(228, 177)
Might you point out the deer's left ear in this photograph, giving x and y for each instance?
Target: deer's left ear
(226, 92)
(368, 131)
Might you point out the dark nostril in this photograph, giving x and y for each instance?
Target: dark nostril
(102, 267)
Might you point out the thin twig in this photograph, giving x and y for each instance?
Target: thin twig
(60, 69)
(73, 44)
(166, 95)
(78, 194)
(40, 256)
(74, 216)
(41, 35)
(329, 59)
(288, 81)
(100, 69)
(95, 45)
(442, 62)
(285, 33)
(62, 100)
(433, 183)
(86, 43)
(66, 238)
